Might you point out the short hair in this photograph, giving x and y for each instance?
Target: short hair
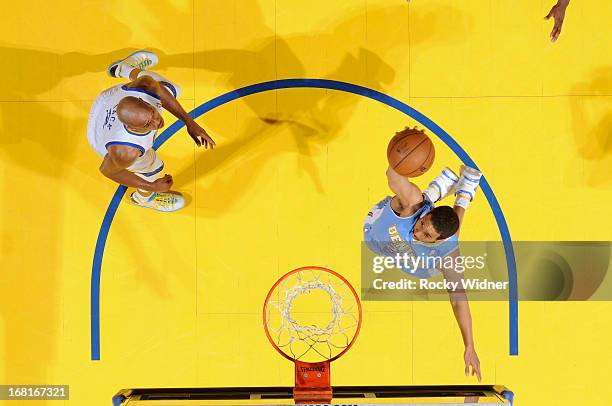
(445, 221)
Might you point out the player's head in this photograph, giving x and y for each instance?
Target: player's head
(138, 114)
(438, 224)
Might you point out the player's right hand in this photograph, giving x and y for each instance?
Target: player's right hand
(162, 184)
(471, 360)
(557, 12)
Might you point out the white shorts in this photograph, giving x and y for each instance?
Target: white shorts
(149, 166)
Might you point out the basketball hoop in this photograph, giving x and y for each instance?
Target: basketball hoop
(312, 316)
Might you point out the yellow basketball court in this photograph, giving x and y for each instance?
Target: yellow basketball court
(294, 172)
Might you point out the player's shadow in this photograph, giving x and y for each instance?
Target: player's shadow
(592, 125)
(36, 140)
(300, 123)
(42, 132)
(304, 123)
(39, 147)
(40, 121)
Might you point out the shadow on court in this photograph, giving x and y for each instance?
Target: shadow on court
(37, 143)
(38, 137)
(592, 126)
(41, 134)
(300, 122)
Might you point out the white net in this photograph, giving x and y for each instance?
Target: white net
(312, 315)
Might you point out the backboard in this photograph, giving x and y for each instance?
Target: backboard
(342, 395)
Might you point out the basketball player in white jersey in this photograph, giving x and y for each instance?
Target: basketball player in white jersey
(122, 126)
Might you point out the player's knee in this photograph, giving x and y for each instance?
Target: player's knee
(172, 87)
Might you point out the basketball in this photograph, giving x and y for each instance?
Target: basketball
(411, 152)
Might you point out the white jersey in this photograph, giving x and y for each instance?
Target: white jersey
(104, 128)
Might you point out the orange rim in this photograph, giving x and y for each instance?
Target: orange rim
(319, 268)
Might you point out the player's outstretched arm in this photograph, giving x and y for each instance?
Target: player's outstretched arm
(461, 310)
(119, 158)
(169, 102)
(557, 12)
(409, 194)
(460, 211)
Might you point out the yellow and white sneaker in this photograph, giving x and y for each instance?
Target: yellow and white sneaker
(137, 60)
(160, 201)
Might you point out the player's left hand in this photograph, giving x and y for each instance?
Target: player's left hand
(558, 13)
(471, 360)
(200, 136)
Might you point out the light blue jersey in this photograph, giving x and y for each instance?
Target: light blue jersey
(386, 233)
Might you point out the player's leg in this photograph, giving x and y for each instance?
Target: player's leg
(150, 168)
(442, 185)
(465, 190)
(134, 66)
(174, 89)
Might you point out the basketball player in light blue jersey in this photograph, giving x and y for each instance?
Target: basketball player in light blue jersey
(410, 222)
(122, 126)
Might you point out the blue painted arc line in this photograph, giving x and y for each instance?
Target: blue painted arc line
(97, 267)
(321, 84)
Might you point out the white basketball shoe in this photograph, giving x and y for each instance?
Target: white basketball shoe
(466, 186)
(442, 186)
(160, 201)
(137, 60)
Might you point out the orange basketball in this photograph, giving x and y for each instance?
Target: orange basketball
(410, 152)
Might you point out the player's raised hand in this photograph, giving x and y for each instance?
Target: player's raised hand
(471, 360)
(162, 184)
(558, 13)
(200, 136)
